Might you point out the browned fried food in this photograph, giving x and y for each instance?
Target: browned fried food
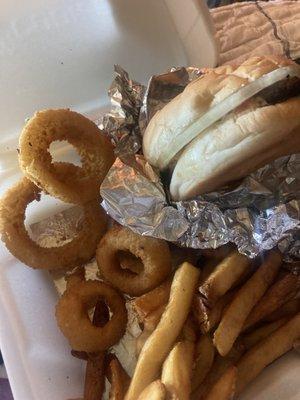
(266, 351)
(224, 388)
(252, 338)
(150, 301)
(154, 254)
(16, 238)
(155, 391)
(205, 353)
(130, 262)
(94, 383)
(279, 293)
(236, 313)
(224, 276)
(288, 309)
(208, 317)
(177, 371)
(118, 378)
(74, 322)
(219, 367)
(70, 183)
(164, 336)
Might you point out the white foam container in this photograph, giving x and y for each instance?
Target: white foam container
(60, 53)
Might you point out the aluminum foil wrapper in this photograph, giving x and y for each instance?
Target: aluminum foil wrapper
(262, 211)
(122, 122)
(59, 229)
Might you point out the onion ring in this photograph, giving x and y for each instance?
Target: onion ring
(66, 181)
(129, 261)
(154, 254)
(94, 383)
(16, 238)
(73, 320)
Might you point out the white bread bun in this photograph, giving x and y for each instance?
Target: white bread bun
(202, 103)
(239, 144)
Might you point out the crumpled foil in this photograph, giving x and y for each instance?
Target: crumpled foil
(59, 229)
(122, 122)
(262, 211)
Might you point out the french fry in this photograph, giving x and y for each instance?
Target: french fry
(279, 293)
(151, 320)
(236, 313)
(177, 371)
(140, 341)
(217, 254)
(155, 391)
(94, 383)
(266, 351)
(251, 339)
(205, 353)
(208, 268)
(117, 377)
(94, 377)
(188, 332)
(206, 316)
(224, 276)
(149, 302)
(219, 367)
(288, 309)
(200, 310)
(162, 339)
(224, 388)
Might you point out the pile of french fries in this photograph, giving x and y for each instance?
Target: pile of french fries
(208, 333)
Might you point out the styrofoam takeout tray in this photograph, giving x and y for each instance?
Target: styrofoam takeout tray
(60, 53)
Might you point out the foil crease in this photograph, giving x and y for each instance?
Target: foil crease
(134, 196)
(260, 212)
(59, 229)
(122, 122)
(163, 88)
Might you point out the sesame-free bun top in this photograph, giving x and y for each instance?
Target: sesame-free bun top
(220, 116)
(229, 150)
(166, 130)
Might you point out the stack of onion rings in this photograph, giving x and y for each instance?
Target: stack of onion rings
(70, 183)
(75, 324)
(154, 254)
(15, 236)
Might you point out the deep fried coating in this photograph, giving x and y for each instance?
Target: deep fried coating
(94, 383)
(154, 254)
(68, 182)
(74, 322)
(118, 378)
(16, 238)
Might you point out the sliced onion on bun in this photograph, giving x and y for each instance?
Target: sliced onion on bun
(226, 124)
